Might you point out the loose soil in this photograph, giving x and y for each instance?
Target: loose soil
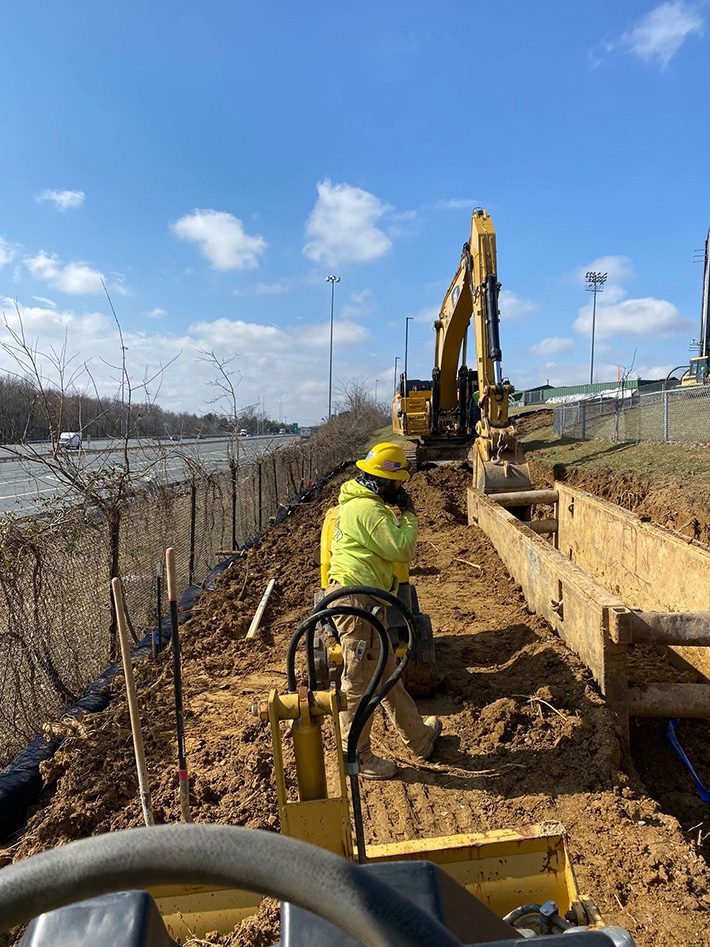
(666, 483)
(526, 736)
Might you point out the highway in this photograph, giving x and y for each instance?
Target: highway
(24, 483)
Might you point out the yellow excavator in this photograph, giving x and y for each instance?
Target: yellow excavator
(464, 410)
(157, 886)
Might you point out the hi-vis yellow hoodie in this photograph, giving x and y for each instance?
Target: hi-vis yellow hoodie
(367, 539)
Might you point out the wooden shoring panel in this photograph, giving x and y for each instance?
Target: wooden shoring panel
(579, 609)
(649, 567)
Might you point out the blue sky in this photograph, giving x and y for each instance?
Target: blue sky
(215, 161)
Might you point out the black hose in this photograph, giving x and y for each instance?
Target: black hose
(535, 911)
(308, 625)
(370, 911)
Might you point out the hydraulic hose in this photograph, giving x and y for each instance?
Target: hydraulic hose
(370, 911)
(536, 911)
(370, 700)
(308, 626)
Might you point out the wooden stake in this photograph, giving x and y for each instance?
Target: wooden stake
(183, 777)
(138, 749)
(258, 614)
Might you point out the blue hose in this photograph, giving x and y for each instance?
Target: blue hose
(702, 791)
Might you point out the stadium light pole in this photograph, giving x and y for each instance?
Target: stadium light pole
(407, 320)
(595, 284)
(332, 279)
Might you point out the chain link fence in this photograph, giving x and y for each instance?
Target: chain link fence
(678, 415)
(57, 629)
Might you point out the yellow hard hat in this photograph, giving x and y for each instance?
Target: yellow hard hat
(385, 460)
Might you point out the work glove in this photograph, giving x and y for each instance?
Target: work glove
(404, 502)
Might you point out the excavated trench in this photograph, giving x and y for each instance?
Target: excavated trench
(526, 735)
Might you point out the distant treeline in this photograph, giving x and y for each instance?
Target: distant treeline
(26, 415)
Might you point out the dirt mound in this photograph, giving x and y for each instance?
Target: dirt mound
(663, 500)
(533, 420)
(526, 736)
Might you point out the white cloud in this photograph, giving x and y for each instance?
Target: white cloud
(404, 224)
(345, 332)
(359, 304)
(221, 238)
(343, 226)
(458, 203)
(277, 288)
(514, 308)
(157, 313)
(658, 35)
(552, 345)
(45, 301)
(62, 200)
(77, 278)
(643, 317)
(239, 336)
(618, 269)
(7, 253)
(427, 315)
(279, 363)
(617, 315)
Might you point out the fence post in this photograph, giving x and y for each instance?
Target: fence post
(261, 515)
(193, 523)
(233, 474)
(158, 609)
(666, 432)
(114, 532)
(583, 419)
(276, 481)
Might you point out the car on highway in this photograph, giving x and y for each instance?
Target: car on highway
(70, 440)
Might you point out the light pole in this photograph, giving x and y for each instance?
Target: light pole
(595, 284)
(394, 387)
(377, 381)
(407, 320)
(332, 279)
(406, 343)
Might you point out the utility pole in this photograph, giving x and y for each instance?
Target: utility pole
(595, 284)
(332, 279)
(407, 320)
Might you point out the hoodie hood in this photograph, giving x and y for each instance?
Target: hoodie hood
(352, 490)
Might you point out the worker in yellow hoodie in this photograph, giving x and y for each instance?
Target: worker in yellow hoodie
(375, 527)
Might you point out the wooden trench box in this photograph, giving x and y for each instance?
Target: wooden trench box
(605, 580)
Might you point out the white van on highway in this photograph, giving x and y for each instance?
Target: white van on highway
(70, 440)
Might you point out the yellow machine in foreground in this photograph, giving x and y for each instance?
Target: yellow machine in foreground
(184, 881)
(462, 404)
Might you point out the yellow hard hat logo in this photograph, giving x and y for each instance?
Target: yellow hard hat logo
(385, 460)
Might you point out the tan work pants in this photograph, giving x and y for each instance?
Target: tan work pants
(360, 645)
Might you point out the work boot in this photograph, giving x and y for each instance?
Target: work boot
(374, 767)
(433, 725)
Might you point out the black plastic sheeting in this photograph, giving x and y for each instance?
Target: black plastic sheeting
(21, 783)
